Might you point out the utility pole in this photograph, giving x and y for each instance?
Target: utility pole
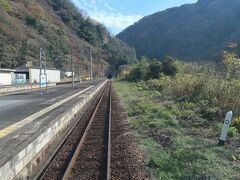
(91, 65)
(80, 78)
(42, 69)
(102, 70)
(45, 71)
(72, 69)
(29, 66)
(99, 70)
(30, 74)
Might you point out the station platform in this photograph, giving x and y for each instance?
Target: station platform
(34, 124)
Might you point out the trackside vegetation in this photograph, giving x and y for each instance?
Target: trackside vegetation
(178, 109)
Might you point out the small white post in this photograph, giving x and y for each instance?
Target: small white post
(225, 128)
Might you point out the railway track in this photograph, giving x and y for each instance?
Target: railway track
(86, 154)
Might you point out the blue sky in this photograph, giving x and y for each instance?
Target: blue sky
(116, 15)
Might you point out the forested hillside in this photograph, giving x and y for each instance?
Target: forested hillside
(58, 26)
(197, 31)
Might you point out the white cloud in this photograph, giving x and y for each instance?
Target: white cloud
(102, 12)
(114, 20)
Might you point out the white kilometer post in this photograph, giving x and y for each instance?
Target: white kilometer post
(226, 126)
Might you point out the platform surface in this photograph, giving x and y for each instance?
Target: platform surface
(15, 107)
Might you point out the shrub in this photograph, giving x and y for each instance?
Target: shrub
(6, 5)
(232, 131)
(31, 21)
(160, 84)
(236, 121)
(36, 10)
(220, 93)
(232, 64)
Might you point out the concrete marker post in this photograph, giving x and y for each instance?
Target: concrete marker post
(227, 122)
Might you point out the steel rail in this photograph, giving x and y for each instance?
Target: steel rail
(77, 151)
(109, 136)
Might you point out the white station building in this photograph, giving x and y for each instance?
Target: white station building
(6, 76)
(22, 76)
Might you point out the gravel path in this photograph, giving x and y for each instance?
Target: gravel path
(128, 162)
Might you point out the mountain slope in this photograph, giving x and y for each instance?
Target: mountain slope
(191, 32)
(57, 26)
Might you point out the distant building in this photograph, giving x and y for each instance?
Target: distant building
(53, 75)
(6, 76)
(22, 76)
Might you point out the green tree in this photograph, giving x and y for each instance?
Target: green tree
(169, 67)
(139, 72)
(154, 70)
(31, 21)
(22, 52)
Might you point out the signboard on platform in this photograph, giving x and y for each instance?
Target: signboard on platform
(43, 80)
